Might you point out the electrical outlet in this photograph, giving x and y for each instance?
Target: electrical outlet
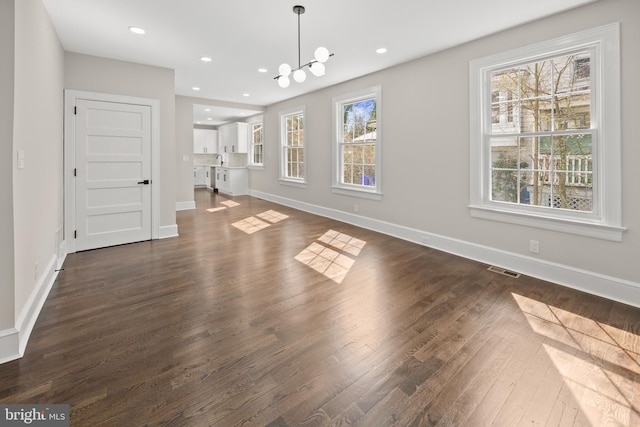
(35, 271)
(355, 208)
(534, 246)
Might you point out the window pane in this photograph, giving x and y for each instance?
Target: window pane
(572, 112)
(357, 141)
(348, 174)
(504, 185)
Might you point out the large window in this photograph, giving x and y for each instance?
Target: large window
(357, 144)
(256, 143)
(293, 146)
(545, 135)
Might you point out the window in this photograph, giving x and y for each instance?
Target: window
(357, 144)
(293, 147)
(256, 143)
(543, 151)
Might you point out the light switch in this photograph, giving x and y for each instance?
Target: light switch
(185, 158)
(20, 159)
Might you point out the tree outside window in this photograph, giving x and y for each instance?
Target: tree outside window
(357, 144)
(257, 144)
(541, 137)
(293, 146)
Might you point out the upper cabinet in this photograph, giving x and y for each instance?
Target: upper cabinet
(205, 141)
(232, 138)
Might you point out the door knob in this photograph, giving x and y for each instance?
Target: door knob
(145, 182)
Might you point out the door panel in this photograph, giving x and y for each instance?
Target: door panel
(113, 159)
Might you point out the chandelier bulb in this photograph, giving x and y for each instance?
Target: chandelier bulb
(317, 69)
(284, 69)
(283, 82)
(299, 76)
(321, 54)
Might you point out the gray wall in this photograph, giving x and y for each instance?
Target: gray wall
(31, 95)
(184, 147)
(94, 74)
(7, 166)
(39, 70)
(425, 149)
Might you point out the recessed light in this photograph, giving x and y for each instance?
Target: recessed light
(209, 118)
(205, 59)
(262, 70)
(137, 30)
(207, 109)
(381, 50)
(195, 88)
(245, 94)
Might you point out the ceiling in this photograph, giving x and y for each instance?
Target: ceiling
(243, 36)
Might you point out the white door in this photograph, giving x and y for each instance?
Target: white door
(113, 173)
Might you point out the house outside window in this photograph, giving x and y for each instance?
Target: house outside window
(256, 143)
(357, 144)
(542, 153)
(292, 137)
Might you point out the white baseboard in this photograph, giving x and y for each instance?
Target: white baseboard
(609, 287)
(168, 231)
(13, 342)
(185, 206)
(9, 345)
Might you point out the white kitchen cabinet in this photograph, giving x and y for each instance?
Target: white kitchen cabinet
(232, 181)
(205, 141)
(232, 138)
(199, 176)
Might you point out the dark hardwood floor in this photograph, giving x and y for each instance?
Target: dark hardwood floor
(283, 318)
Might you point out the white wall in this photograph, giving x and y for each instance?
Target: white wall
(425, 166)
(95, 74)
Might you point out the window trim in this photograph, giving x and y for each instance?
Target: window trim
(605, 221)
(337, 186)
(285, 180)
(253, 121)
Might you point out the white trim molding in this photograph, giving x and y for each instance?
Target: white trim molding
(185, 206)
(168, 231)
(13, 341)
(613, 288)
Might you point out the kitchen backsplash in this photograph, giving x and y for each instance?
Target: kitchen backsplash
(229, 159)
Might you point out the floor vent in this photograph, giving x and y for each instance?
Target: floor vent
(504, 272)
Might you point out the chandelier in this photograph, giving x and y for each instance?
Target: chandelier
(316, 66)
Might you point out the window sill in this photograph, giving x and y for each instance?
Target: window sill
(256, 167)
(292, 183)
(363, 194)
(565, 225)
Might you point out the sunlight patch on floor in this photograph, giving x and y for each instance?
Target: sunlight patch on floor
(252, 224)
(595, 361)
(331, 261)
(343, 242)
(216, 209)
(272, 216)
(230, 203)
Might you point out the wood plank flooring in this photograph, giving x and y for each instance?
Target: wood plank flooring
(262, 315)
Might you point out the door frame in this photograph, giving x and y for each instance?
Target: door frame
(70, 97)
